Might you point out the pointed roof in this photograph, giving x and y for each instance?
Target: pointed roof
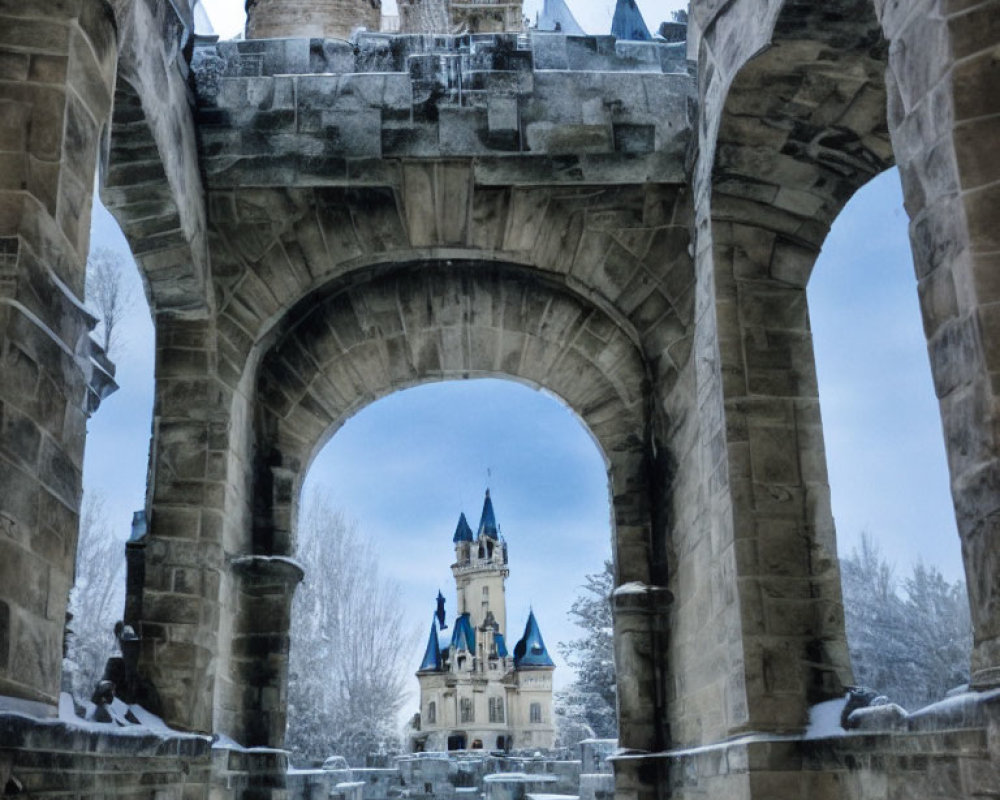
(627, 23)
(463, 533)
(463, 637)
(501, 645)
(432, 655)
(530, 651)
(556, 16)
(488, 521)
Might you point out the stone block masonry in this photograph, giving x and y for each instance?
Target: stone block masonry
(321, 222)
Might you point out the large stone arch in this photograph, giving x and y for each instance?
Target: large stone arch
(622, 249)
(354, 341)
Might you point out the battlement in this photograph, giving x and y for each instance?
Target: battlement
(540, 108)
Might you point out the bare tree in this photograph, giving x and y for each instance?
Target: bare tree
(351, 652)
(109, 292)
(96, 600)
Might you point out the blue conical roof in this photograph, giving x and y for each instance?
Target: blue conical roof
(432, 656)
(556, 16)
(488, 521)
(530, 651)
(463, 637)
(627, 23)
(463, 533)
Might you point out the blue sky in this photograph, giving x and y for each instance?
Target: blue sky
(594, 16)
(405, 467)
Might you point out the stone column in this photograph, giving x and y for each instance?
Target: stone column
(57, 71)
(266, 585)
(786, 570)
(193, 502)
(944, 121)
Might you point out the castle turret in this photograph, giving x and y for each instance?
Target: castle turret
(480, 569)
(315, 19)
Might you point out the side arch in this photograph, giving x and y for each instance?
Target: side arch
(944, 116)
(801, 126)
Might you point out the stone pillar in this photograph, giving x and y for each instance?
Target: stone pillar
(787, 575)
(265, 585)
(314, 19)
(943, 114)
(57, 71)
(189, 494)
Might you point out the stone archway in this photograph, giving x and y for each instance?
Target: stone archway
(794, 121)
(353, 342)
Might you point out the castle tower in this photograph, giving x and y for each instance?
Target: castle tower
(480, 569)
(314, 19)
(473, 693)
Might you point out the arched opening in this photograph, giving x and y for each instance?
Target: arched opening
(353, 342)
(403, 468)
(898, 544)
(115, 460)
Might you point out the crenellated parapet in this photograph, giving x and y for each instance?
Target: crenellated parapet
(532, 109)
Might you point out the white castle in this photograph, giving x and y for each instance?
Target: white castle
(474, 693)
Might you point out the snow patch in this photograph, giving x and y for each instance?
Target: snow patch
(269, 560)
(632, 587)
(824, 719)
(519, 777)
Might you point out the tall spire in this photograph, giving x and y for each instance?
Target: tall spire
(488, 522)
(463, 533)
(530, 651)
(432, 655)
(556, 16)
(627, 24)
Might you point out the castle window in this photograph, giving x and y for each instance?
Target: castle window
(465, 710)
(431, 712)
(536, 712)
(496, 709)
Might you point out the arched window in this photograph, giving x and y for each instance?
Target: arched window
(536, 712)
(431, 713)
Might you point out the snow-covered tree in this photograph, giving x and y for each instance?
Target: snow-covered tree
(912, 647)
(109, 291)
(351, 651)
(96, 601)
(587, 707)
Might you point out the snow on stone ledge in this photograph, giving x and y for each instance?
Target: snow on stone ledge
(824, 719)
(519, 777)
(632, 587)
(19, 721)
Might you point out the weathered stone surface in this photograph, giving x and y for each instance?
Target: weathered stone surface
(333, 221)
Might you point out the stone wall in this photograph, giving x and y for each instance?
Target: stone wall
(58, 759)
(57, 69)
